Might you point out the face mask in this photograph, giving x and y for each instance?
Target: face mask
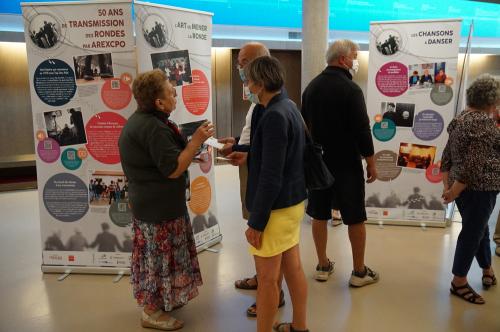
(355, 67)
(241, 71)
(253, 98)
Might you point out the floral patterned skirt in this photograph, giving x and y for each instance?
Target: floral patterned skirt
(165, 269)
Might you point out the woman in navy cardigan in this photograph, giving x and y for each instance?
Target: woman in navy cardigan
(275, 195)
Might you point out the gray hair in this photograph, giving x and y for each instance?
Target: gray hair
(267, 71)
(260, 49)
(341, 47)
(484, 92)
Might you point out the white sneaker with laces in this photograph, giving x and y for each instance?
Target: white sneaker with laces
(324, 272)
(370, 277)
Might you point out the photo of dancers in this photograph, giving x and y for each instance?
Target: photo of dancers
(66, 126)
(106, 187)
(44, 31)
(176, 65)
(153, 30)
(389, 42)
(411, 200)
(104, 241)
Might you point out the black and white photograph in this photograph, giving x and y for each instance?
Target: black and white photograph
(410, 198)
(401, 114)
(106, 187)
(176, 65)
(203, 221)
(66, 126)
(187, 130)
(389, 42)
(153, 30)
(93, 67)
(102, 241)
(44, 31)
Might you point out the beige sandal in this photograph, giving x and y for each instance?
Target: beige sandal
(152, 321)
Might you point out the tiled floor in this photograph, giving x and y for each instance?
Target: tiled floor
(412, 294)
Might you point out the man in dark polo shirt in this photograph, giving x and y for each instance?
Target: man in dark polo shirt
(334, 109)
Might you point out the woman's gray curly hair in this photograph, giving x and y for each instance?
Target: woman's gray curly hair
(484, 92)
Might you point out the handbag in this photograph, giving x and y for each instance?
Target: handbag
(317, 174)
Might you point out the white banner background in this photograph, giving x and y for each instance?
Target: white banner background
(179, 42)
(409, 116)
(81, 58)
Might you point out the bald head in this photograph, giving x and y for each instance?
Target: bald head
(250, 52)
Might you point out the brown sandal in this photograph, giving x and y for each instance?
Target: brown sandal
(286, 327)
(243, 283)
(468, 295)
(489, 281)
(252, 310)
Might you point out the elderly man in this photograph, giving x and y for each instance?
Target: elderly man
(335, 113)
(237, 149)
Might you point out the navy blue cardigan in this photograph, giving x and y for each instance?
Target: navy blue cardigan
(276, 162)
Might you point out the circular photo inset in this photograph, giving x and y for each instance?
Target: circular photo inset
(154, 31)
(389, 42)
(45, 31)
(441, 94)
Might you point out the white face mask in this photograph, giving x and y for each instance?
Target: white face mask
(254, 98)
(241, 71)
(355, 67)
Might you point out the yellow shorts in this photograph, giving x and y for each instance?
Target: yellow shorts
(282, 231)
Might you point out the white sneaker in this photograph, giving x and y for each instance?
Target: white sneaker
(324, 272)
(370, 277)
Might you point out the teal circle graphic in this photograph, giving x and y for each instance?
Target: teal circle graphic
(119, 213)
(384, 130)
(70, 159)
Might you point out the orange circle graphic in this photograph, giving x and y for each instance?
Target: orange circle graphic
(201, 195)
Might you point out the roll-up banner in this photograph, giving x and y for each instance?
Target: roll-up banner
(411, 98)
(178, 41)
(82, 62)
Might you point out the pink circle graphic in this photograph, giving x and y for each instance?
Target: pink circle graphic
(196, 96)
(48, 150)
(116, 94)
(103, 131)
(433, 173)
(392, 79)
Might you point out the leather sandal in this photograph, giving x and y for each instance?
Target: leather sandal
(243, 283)
(252, 310)
(152, 321)
(489, 281)
(468, 295)
(286, 327)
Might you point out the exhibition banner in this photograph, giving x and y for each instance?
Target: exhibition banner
(178, 41)
(411, 98)
(81, 61)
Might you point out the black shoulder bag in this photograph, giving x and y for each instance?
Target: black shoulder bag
(317, 175)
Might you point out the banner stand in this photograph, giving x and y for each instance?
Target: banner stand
(111, 270)
(438, 224)
(412, 89)
(83, 58)
(209, 244)
(85, 269)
